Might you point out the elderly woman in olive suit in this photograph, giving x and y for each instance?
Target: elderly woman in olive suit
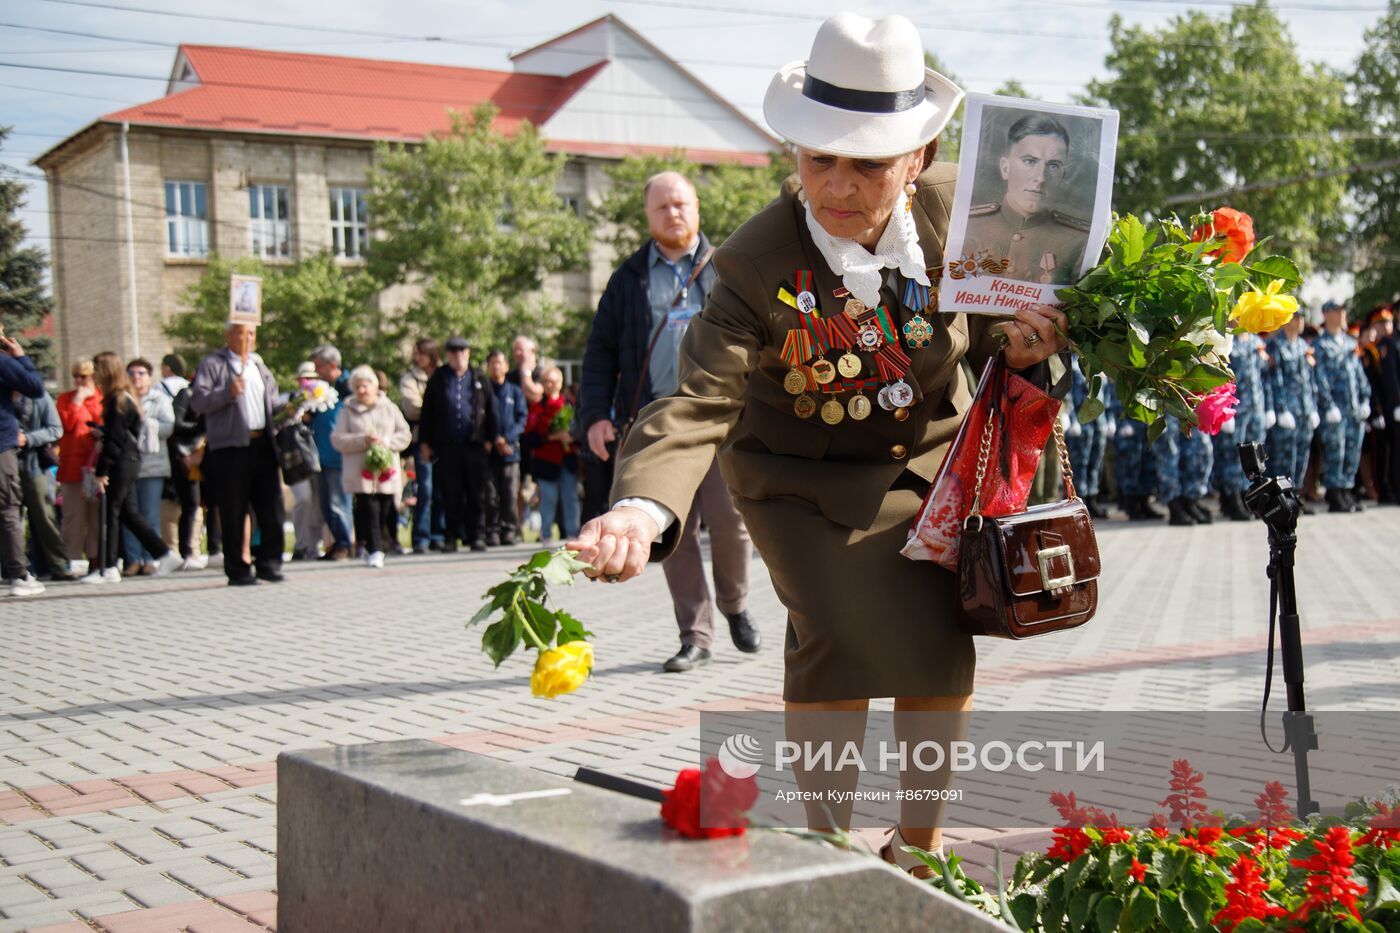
(822, 372)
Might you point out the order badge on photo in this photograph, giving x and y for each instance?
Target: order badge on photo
(1032, 204)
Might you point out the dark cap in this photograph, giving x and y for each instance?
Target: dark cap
(1330, 305)
(457, 343)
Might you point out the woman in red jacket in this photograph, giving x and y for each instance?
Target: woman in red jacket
(76, 408)
(555, 461)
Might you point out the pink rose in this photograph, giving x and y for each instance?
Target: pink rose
(366, 474)
(1216, 407)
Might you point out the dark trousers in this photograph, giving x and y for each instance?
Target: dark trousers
(187, 494)
(15, 567)
(120, 502)
(500, 500)
(44, 536)
(213, 531)
(731, 552)
(242, 477)
(460, 472)
(370, 513)
(597, 483)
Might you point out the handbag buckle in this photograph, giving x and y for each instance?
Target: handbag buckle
(1046, 556)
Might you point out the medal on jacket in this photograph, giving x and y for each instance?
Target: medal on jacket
(805, 406)
(823, 371)
(795, 382)
(806, 301)
(915, 296)
(833, 411)
(849, 365)
(859, 407)
(900, 394)
(870, 337)
(918, 333)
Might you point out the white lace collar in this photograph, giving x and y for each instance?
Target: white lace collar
(860, 270)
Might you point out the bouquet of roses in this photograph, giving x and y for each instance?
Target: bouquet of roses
(314, 397)
(380, 462)
(563, 419)
(1157, 315)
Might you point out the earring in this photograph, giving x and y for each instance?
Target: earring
(909, 190)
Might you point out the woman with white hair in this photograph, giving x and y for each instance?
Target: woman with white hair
(827, 304)
(370, 432)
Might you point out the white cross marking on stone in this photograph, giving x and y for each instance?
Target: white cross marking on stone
(505, 800)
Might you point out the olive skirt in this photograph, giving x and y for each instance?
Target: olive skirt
(863, 621)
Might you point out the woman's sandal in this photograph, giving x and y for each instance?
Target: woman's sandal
(893, 853)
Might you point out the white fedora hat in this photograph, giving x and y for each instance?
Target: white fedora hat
(864, 92)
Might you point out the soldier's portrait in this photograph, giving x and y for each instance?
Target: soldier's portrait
(1032, 202)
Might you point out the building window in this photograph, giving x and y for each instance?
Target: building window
(349, 223)
(186, 218)
(573, 203)
(270, 224)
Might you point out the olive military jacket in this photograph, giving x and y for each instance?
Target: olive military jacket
(731, 396)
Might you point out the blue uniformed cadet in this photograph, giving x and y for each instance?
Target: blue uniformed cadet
(1344, 401)
(1291, 387)
(1183, 473)
(1134, 466)
(1253, 416)
(1087, 442)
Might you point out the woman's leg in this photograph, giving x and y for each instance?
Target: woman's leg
(133, 520)
(568, 492)
(924, 719)
(549, 499)
(833, 724)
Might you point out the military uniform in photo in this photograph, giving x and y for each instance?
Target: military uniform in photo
(1290, 386)
(1046, 246)
(1344, 401)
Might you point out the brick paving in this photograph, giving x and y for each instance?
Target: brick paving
(139, 724)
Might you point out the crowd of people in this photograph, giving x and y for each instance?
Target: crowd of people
(1325, 402)
(139, 470)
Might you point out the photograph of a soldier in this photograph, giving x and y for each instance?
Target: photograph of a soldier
(1036, 209)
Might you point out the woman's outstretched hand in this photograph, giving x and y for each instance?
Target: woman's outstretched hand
(616, 543)
(1037, 333)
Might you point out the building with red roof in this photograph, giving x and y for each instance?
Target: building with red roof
(266, 153)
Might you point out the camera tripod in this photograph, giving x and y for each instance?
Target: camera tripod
(1275, 501)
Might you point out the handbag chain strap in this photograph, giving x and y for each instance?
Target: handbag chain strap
(984, 454)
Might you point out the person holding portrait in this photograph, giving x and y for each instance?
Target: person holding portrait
(831, 387)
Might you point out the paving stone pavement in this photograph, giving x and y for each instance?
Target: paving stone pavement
(139, 723)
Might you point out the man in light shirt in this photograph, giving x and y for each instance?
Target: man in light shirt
(235, 393)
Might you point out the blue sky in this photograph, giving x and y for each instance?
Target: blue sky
(1052, 46)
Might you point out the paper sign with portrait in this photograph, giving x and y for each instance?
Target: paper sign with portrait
(1032, 204)
(245, 299)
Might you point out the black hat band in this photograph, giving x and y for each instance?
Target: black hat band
(862, 101)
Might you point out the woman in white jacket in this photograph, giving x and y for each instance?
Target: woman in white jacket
(370, 420)
(157, 425)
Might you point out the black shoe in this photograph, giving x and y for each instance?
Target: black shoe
(1335, 501)
(1199, 512)
(743, 631)
(436, 546)
(448, 547)
(493, 541)
(420, 549)
(271, 575)
(687, 659)
(1353, 501)
(1233, 507)
(1180, 514)
(249, 580)
(1147, 511)
(478, 545)
(1092, 504)
(509, 540)
(1307, 507)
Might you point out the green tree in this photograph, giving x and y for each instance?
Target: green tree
(305, 304)
(24, 301)
(1221, 110)
(729, 195)
(1375, 87)
(950, 140)
(473, 217)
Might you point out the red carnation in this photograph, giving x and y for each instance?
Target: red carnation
(725, 800)
(1235, 226)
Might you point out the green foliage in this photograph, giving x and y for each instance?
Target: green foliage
(24, 301)
(950, 140)
(473, 216)
(305, 304)
(1375, 88)
(729, 195)
(1211, 103)
(520, 599)
(1153, 317)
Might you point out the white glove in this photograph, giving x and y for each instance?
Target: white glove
(1313, 421)
(1110, 428)
(1365, 411)
(1287, 421)
(1334, 415)
(1074, 429)
(1395, 415)
(1228, 427)
(1270, 419)
(1378, 422)
(1126, 430)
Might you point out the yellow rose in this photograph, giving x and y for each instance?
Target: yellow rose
(1261, 312)
(561, 670)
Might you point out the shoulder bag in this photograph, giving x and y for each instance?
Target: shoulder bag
(1030, 573)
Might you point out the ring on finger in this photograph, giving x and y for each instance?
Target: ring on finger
(613, 577)
(1031, 339)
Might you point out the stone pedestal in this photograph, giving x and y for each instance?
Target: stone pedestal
(417, 836)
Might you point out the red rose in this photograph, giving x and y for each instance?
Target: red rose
(1235, 226)
(723, 798)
